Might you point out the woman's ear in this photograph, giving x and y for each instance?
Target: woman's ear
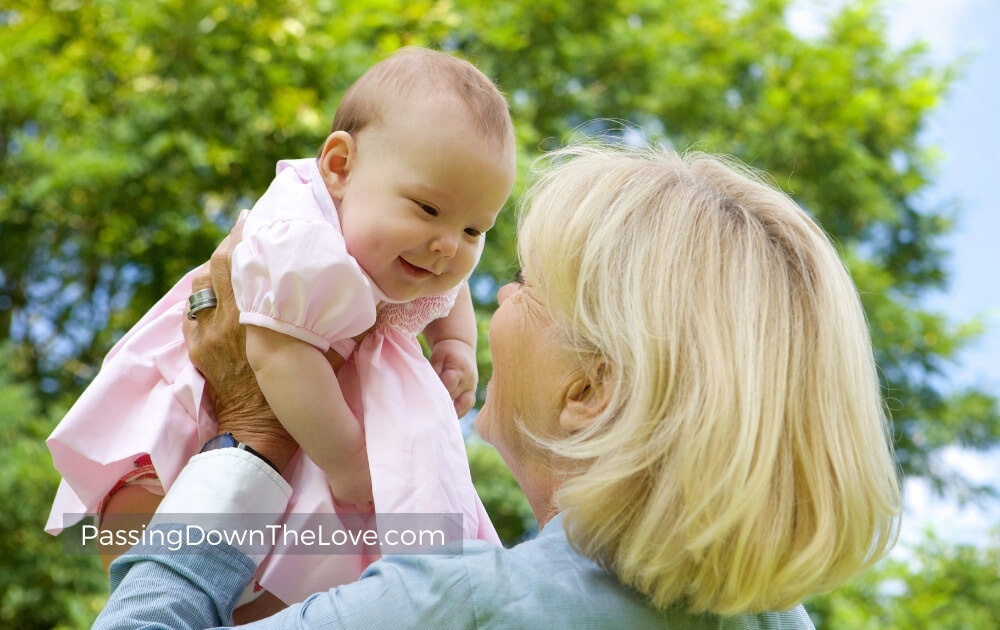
(586, 399)
(335, 162)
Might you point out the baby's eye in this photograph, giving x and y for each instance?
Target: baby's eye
(473, 232)
(431, 210)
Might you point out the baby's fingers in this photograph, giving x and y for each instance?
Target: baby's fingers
(464, 402)
(452, 379)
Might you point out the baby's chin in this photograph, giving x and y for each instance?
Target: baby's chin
(399, 295)
(408, 287)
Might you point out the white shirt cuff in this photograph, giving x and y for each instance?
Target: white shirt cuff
(227, 489)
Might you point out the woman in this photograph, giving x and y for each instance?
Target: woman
(683, 386)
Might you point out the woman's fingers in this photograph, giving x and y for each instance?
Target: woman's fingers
(215, 339)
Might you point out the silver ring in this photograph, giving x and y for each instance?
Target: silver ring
(200, 300)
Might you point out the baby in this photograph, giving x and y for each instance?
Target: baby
(354, 253)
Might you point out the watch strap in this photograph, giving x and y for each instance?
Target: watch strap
(228, 440)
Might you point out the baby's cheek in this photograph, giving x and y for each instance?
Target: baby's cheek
(467, 260)
(359, 243)
(378, 244)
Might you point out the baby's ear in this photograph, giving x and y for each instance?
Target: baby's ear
(335, 162)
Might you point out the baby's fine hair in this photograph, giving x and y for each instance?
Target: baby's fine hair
(416, 72)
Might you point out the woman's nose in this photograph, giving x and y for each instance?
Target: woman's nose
(504, 292)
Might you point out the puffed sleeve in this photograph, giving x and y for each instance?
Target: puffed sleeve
(297, 278)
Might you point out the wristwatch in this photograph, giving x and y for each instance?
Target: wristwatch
(227, 440)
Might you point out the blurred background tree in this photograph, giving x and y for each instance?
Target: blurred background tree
(131, 134)
(940, 586)
(41, 586)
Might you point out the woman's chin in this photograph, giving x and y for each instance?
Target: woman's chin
(478, 424)
(482, 423)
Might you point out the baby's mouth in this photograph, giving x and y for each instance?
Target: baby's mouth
(414, 270)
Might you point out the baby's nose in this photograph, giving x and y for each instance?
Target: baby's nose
(445, 245)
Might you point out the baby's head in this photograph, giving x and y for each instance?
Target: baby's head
(419, 163)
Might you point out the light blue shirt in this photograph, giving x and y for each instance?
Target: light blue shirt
(542, 583)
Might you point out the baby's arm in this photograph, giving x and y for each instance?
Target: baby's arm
(302, 389)
(452, 340)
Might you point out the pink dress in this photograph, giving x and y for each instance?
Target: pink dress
(291, 273)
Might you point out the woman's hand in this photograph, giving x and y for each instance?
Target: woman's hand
(217, 346)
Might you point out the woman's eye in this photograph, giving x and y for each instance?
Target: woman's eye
(431, 210)
(518, 276)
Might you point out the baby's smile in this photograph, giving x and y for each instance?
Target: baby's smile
(414, 271)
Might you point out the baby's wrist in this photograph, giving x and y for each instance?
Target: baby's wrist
(465, 342)
(345, 463)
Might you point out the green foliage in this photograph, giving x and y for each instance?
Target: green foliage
(141, 129)
(41, 586)
(131, 133)
(942, 587)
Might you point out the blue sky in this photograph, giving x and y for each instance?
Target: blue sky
(966, 129)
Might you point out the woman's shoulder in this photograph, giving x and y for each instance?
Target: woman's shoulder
(546, 578)
(487, 586)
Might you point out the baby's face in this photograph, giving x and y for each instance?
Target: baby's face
(420, 196)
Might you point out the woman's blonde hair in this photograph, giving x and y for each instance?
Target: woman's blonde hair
(743, 462)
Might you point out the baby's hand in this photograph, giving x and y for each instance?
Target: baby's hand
(455, 363)
(351, 483)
